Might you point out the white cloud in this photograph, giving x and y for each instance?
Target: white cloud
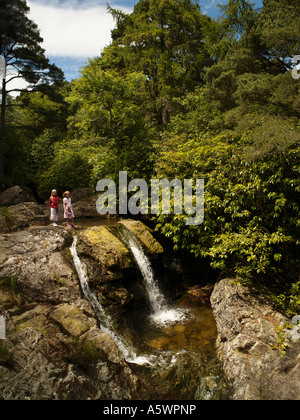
(72, 32)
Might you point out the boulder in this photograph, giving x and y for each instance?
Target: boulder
(43, 361)
(72, 320)
(86, 207)
(143, 233)
(107, 260)
(16, 195)
(110, 254)
(82, 194)
(250, 338)
(21, 216)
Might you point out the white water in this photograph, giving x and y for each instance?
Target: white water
(162, 313)
(105, 320)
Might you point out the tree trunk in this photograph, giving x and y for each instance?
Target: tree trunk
(2, 124)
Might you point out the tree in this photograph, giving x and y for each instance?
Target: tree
(108, 121)
(164, 40)
(20, 45)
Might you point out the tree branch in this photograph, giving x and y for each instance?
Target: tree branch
(14, 77)
(17, 90)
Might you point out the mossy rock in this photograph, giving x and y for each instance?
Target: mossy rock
(72, 320)
(105, 248)
(38, 323)
(143, 233)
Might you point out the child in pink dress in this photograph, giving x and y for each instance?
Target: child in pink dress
(68, 209)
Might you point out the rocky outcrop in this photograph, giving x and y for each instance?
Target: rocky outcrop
(54, 347)
(108, 263)
(86, 207)
(16, 195)
(34, 258)
(250, 337)
(22, 216)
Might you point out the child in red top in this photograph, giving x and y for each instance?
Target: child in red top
(54, 203)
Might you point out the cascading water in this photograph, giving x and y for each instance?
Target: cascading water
(106, 323)
(161, 311)
(182, 356)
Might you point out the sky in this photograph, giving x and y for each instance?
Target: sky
(75, 30)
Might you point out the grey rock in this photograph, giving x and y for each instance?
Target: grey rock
(54, 349)
(247, 340)
(16, 195)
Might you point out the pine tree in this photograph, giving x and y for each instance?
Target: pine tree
(164, 39)
(20, 45)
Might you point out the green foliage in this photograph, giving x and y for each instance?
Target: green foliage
(69, 169)
(179, 95)
(164, 41)
(251, 227)
(281, 343)
(9, 282)
(108, 118)
(289, 302)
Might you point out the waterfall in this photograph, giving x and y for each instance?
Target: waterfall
(106, 323)
(161, 312)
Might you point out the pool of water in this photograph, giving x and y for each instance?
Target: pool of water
(99, 221)
(185, 365)
(197, 331)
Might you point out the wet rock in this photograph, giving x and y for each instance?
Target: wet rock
(143, 233)
(108, 253)
(208, 388)
(248, 344)
(199, 294)
(72, 320)
(108, 261)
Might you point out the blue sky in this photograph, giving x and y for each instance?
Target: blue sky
(75, 30)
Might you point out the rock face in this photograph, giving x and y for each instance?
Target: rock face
(108, 262)
(247, 338)
(21, 216)
(54, 347)
(16, 195)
